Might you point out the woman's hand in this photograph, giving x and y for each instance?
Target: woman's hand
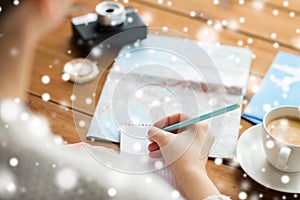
(185, 151)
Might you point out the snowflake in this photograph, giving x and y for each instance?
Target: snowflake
(273, 35)
(216, 2)
(129, 20)
(258, 4)
(88, 101)
(270, 144)
(45, 79)
(255, 88)
(148, 179)
(112, 192)
(24, 116)
(175, 194)
(127, 55)
(233, 25)
(96, 52)
(242, 20)
(7, 183)
(13, 162)
(82, 123)
(9, 111)
(285, 179)
(224, 22)
(66, 179)
(14, 52)
(147, 17)
(11, 187)
(275, 12)
(267, 107)
(275, 45)
(167, 99)
(58, 140)
(250, 40)
(292, 14)
(240, 43)
(137, 147)
(243, 195)
(207, 34)
(16, 2)
(155, 103)
(73, 97)
(17, 100)
(218, 161)
(46, 97)
(192, 13)
(158, 165)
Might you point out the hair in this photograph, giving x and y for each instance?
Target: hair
(7, 5)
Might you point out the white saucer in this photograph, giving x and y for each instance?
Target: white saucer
(251, 156)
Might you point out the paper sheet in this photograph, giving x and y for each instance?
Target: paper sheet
(134, 147)
(129, 96)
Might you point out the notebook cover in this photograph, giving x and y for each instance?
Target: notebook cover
(280, 86)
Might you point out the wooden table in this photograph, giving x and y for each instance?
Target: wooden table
(265, 27)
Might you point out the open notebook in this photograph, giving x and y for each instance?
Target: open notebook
(137, 64)
(133, 147)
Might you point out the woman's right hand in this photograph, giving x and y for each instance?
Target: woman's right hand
(185, 151)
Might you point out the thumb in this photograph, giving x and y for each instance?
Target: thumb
(161, 137)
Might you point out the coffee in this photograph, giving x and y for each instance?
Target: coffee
(285, 129)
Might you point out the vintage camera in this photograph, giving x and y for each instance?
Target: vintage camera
(110, 19)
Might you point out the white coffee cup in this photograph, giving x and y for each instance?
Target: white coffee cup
(282, 155)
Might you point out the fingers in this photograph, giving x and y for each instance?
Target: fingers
(207, 145)
(203, 126)
(155, 154)
(154, 150)
(153, 147)
(160, 137)
(172, 119)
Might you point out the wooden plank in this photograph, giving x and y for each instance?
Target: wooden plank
(53, 53)
(47, 64)
(263, 50)
(61, 121)
(229, 179)
(289, 5)
(60, 91)
(259, 20)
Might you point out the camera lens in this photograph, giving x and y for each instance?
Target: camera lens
(110, 13)
(110, 10)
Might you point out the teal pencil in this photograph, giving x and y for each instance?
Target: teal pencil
(201, 118)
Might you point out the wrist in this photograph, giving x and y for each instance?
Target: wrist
(188, 166)
(190, 169)
(194, 183)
